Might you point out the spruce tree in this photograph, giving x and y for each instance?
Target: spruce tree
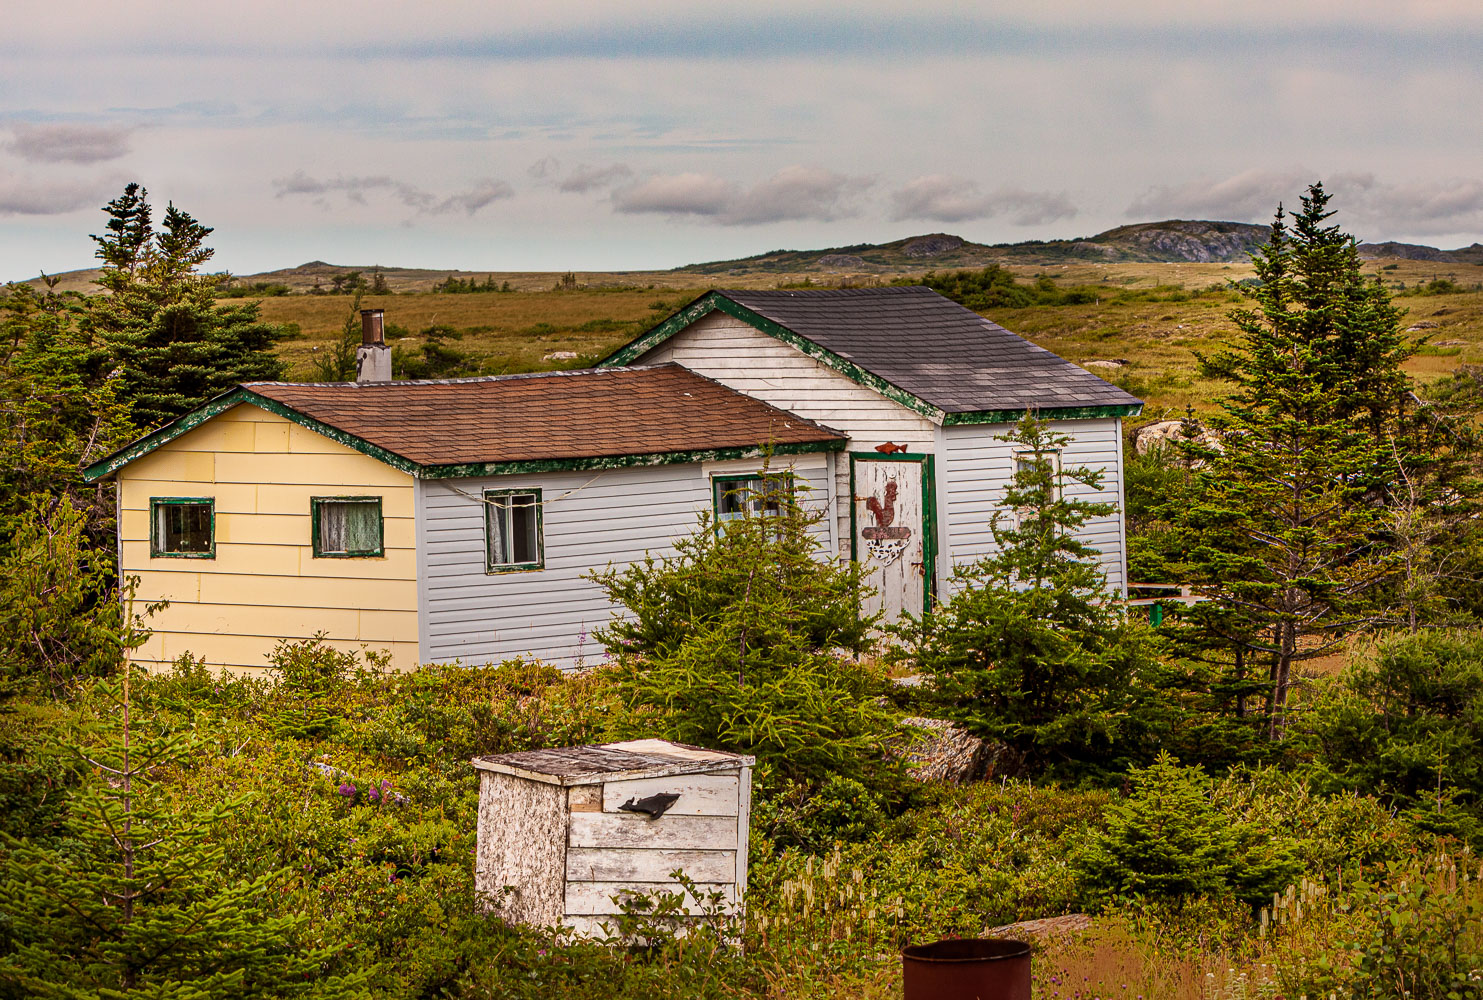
(137, 897)
(1290, 523)
(1031, 651)
(174, 348)
(59, 410)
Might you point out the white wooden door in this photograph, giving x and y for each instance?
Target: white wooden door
(890, 536)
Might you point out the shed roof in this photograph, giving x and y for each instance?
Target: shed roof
(586, 765)
(914, 346)
(592, 418)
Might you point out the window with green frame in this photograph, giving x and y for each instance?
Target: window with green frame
(736, 496)
(182, 527)
(512, 530)
(347, 527)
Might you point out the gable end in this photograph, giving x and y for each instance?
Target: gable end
(715, 301)
(190, 421)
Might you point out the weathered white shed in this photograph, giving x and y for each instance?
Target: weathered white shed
(564, 834)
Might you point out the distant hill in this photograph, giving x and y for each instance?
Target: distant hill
(1171, 241)
(1412, 251)
(1174, 240)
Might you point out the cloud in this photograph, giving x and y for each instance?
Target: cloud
(1414, 208)
(1370, 208)
(798, 192)
(355, 189)
(676, 194)
(940, 197)
(27, 196)
(1250, 196)
(483, 193)
(584, 178)
(546, 166)
(68, 143)
(793, 193)
(948, 198)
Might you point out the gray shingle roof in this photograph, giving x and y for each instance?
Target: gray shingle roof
(933, 348)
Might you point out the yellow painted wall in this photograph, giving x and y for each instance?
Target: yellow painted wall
(265, 584)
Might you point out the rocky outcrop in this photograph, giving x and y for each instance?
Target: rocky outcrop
(932, 246)
(842, 260)
(1071, 923)
(938, 750)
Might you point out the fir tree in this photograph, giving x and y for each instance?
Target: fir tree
(137, 897)
(1290, 523)
(174, 348)
(59, 410)
(1031, 651)
(735, 641)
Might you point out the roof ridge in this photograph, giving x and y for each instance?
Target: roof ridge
(473, 380)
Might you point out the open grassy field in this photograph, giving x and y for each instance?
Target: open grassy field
(1185, 311)
(507, 332)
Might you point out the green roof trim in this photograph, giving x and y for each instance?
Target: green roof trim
(190, 421)
(1044, 412)
(469, 469)
(715, 301)
(702, 306)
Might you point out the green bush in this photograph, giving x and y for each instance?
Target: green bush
(60, 617)
(1030, 650)
(1406, 724)
(740, 641)
(1169, 838)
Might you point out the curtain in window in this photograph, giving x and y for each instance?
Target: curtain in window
(513, 529)
(349, 527)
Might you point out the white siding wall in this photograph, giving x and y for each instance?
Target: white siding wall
(735, 354)
(976, 469)
(590, 519)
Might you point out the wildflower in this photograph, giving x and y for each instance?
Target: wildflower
(347, 790)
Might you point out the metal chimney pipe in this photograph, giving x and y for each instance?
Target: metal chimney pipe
(373, 356)
(372, 326)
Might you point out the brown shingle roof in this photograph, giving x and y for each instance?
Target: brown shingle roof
(596, 413)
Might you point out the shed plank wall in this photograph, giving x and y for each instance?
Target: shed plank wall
(265, 584)
(590, 519)
(976, 470)
(737, 355)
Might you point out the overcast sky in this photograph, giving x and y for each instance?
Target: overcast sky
(651, 133)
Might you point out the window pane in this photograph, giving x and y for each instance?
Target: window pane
(349, 527)
(734, 496)
(512, 521)
(183, 527)
(362, 527)
(331, 528)
(523, 529)
(496, 520)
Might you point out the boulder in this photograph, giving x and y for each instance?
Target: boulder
(1158, 434)
(938, 750)
(1071, 923)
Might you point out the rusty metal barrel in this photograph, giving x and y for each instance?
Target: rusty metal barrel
(967, 969)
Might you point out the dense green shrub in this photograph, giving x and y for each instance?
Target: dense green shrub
(1406, 725)
(1030, 650)
(1169, 838)
(740, 640)
(60, 616)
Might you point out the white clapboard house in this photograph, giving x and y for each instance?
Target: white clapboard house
(923, 389)
(460, 519)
